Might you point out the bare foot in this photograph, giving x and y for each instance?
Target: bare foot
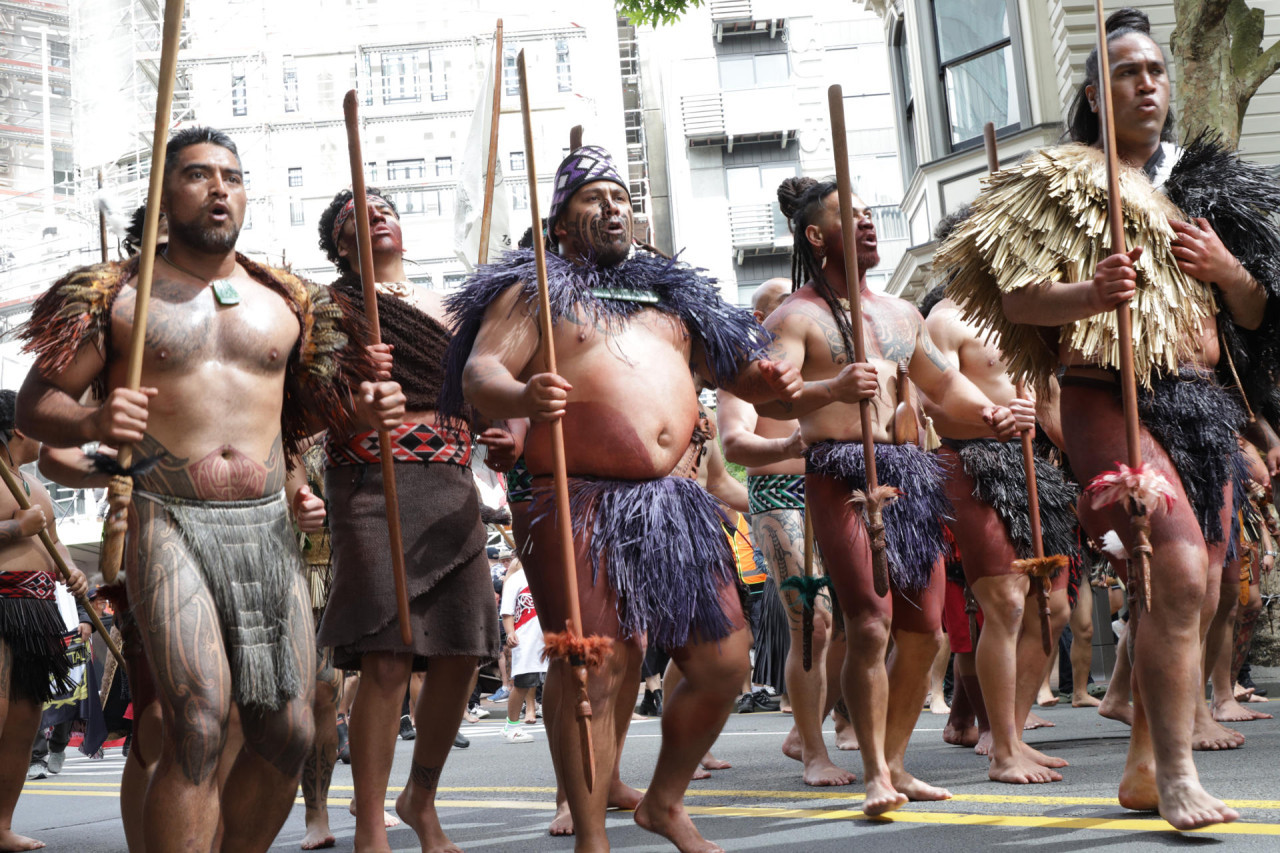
(1040, 758)
(1138, 787)
(791, 747)
(1084, 700)
(623, 796)
(960, 737)
(983, 746)
(882, 797)
(388, 819)
(785, 705)
(915, 790)
(673, 823)
(710, 762)
(700, 773)
(1187, 806)
(846, 737)
(10, 840)
(938, 704)
(1035, 721)
(1210, 735)
(318, 837)
(1242, 693)
(821, 773)
(1114, 709)
(562, 823)
(1254, 697)
(419, 813)
(1046, 698)
(1021, 769)
(1232, 711)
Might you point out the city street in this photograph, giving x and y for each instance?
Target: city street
(499, 796)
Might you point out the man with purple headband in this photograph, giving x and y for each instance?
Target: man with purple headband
(635, 333)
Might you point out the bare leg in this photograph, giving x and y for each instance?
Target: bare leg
(1217, 619)
(448, 683)
(374, 724)
(1031, 660)
(1082, 647)
(909, 662)
(961, 728)
(1226, 709)
(1115, 704)
(19, 720)
(317, 771)
(515, 702)
(936, 697)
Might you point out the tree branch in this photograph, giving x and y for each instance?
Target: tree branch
(1267, 63)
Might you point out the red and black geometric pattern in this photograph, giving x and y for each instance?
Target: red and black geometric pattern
(37, 585)
(409, 443)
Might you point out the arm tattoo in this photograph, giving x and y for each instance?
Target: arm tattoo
(10, 532)
(931, 351)
(426, 778)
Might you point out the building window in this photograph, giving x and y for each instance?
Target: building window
(757, 186)
(976, 66)
(517, 161)
(409, 203)
(444, 167)
(405, 170)
(63, 172)
(510, 72)
(364, 77)
(371, 171)
(438, 74)
(439, 202)
(754, 72)
(290, 87)
(239, 92)
(519, 196)
(454, 280)
(295, 176)
(400, 78)
(564, 80)
(295, 213)
(906, 99)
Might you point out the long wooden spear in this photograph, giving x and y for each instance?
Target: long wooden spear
(581, 652)
(120, 491)
(875, 496)
(19, 494)
(102, 223)
(360, 212)
(491, 163)
(1040, 569)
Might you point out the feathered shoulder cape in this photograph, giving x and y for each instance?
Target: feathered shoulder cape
(326, 365)
(729, 336)
(1045, 219)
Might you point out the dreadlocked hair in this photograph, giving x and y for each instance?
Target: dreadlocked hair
(1082, 121)
(327, 243)
(800, 200)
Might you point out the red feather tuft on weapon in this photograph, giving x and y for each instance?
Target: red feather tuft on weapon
(1143, 484)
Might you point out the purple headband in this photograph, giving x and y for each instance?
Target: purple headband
(583, 166)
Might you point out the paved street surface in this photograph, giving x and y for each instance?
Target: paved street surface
(499, 796)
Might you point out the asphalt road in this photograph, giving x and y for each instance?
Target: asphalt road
(499, 796)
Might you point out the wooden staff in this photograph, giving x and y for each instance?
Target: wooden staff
(1040, 569)
(575, 138)
(102, 222)
(486, 215)
(875, 496)
(360, 211)
(806, 618)
(20, 495)
(572, 644)
(120, 491)
(1141, 551)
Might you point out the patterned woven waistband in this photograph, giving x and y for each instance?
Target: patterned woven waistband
(37, 585)
(409, 443)
(767, 492)
(519, 483)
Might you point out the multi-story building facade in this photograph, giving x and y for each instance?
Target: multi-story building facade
(742, 86)
(957, 64)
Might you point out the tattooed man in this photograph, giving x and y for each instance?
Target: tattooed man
(33, 663)
(240, 364)
(633, 336)
(813, 329)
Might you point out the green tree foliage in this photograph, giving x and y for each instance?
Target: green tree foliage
(655, 12)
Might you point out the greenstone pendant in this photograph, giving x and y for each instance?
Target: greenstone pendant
(225, 292)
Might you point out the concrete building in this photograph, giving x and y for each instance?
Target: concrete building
(742, 89)
(957, 64)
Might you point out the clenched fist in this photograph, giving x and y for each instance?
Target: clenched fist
(1001, 421)
(30, 521)
(122, 418)
(855, 383)
(308, 511)
(381, 405)
(1115, 280)
(545, 396)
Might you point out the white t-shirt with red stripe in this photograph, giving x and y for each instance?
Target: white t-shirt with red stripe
(517, 602)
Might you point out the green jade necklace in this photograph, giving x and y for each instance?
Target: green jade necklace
(223, 290)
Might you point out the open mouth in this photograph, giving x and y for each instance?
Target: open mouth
(219, 212)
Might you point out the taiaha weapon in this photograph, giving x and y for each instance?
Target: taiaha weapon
(575, 138)
(876, 496)
(491, 164)
(102, 223)
(807, 587)
(580, 652)
(120, 491)
(1041, 570)
(1144, 489)
(360, 212)
(19, 494)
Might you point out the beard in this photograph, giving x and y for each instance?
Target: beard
(212, 239)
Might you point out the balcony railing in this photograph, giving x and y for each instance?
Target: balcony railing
(743, 17)
(745, 115)
(891, 223)
(758, 229)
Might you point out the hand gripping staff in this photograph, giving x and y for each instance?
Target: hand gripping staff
(876, 496)
(1039, 568)
(581, 652)
(1144, 489)
(120, 492)
(360, 211)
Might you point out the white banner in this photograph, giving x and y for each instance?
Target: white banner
(471, 176)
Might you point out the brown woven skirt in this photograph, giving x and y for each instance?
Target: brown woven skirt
(451, 605)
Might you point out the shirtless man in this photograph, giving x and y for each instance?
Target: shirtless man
(812, 329)
(643, 330)
(773, 454)
(987, 488)
(1188, 420)
(234, 376)
(33, 663)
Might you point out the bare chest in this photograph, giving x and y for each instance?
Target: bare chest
(635, 340)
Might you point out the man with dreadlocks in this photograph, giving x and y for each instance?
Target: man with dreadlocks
(813, 329)
(992, 527)
(452, 617)
(1203, 275)
(240, 364)
(628, 329)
